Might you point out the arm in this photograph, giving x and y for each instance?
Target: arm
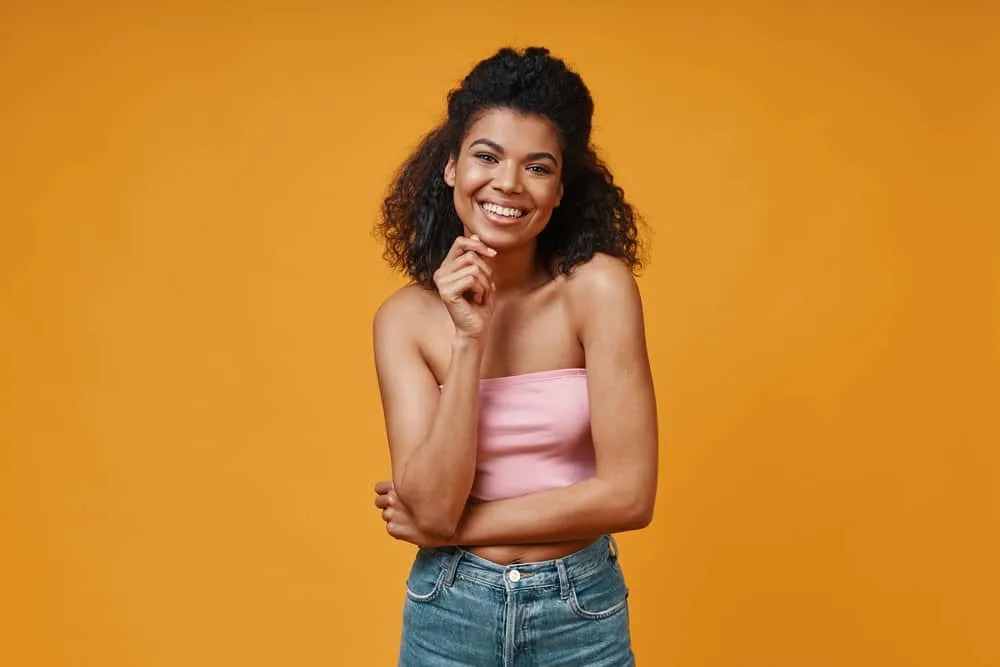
(432, 431)
(621, 494)
(431, 434)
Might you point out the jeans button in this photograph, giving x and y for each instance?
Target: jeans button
(514, 576)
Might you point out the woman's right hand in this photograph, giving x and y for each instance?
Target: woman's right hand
(465, 282)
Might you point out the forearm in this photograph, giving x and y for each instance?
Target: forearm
(585, 509)
(437, 476)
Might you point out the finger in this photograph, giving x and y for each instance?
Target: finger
(387, 514)
(454, 287)
(482, 247)
(473, 259)
(482, 288)
(382, 501)
(456, 260)
(471, 282)
(464, 265)
(475, 244)
(467, 243)
(397, 531)
(385, 486)
(450, 279)
(489, 297)
(460, 274)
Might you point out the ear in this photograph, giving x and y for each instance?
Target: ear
(449, 171)
(559, 198)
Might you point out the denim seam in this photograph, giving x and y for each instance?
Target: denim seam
(579, 571)
(427, 597)
(574, 604)
(451, 569)
(564, 587)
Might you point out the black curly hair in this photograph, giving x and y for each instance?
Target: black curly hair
(419, 222)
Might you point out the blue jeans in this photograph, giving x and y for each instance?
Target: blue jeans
(463, 610)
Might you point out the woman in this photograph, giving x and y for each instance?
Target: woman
(514, 378)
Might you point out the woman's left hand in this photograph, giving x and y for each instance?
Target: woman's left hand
(398, 521)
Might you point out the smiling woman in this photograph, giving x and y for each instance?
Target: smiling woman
(514, 378)
(506, 177)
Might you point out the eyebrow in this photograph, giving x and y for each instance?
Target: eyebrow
(541, 155)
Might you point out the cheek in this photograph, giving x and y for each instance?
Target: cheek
(461, 201)
(546, 195)
(471, 178)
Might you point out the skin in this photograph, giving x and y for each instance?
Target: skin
(497, 312)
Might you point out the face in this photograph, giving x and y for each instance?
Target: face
(507, 177)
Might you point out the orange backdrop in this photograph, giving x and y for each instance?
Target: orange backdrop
(190, 422)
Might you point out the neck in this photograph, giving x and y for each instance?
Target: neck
(516, 270)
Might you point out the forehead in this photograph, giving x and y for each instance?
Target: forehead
(515, 131)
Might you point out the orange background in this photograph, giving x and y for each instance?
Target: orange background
(189, 417)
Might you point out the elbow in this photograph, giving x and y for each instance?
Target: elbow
(434, 511)
(430, 517)
(637, 514)
(436, 525)
(643, 517)
(638, 518)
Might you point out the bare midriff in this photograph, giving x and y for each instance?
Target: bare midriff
(529, 553)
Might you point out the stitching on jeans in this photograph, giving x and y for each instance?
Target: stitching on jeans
(427, 597)
(574, 604)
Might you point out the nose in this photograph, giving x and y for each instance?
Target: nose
(507, 178)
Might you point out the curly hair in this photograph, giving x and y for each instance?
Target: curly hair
(419, 222)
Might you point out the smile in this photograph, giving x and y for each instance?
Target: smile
(502, 211)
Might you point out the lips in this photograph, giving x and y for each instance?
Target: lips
(501, 215)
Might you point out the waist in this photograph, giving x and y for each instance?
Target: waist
(510, 554)
(539, 562)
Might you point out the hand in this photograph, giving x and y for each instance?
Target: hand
(465, 282)
(398, 521)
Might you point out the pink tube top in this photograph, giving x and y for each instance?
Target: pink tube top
(534, 433)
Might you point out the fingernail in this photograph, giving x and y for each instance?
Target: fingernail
(474, 237)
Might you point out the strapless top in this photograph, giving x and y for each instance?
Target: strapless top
(534, 433)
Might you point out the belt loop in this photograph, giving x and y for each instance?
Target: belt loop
(563, 579)
(452, 567)
(614, 547)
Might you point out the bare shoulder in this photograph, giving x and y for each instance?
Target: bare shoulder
(401, 319)
(404, 307)
(602, 282)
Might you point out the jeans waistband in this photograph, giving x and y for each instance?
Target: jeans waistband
(456, 561)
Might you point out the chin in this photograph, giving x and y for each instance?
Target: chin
(503, 239)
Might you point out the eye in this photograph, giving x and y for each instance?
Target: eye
(539, 169)
(485, 157)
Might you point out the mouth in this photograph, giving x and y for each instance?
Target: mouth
(501, 214)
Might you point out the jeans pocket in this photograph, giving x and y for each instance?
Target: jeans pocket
(600, 595)
(426, 577)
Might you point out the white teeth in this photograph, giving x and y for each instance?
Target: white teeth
(503, 210)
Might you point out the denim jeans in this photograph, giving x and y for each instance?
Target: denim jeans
(463, 610)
